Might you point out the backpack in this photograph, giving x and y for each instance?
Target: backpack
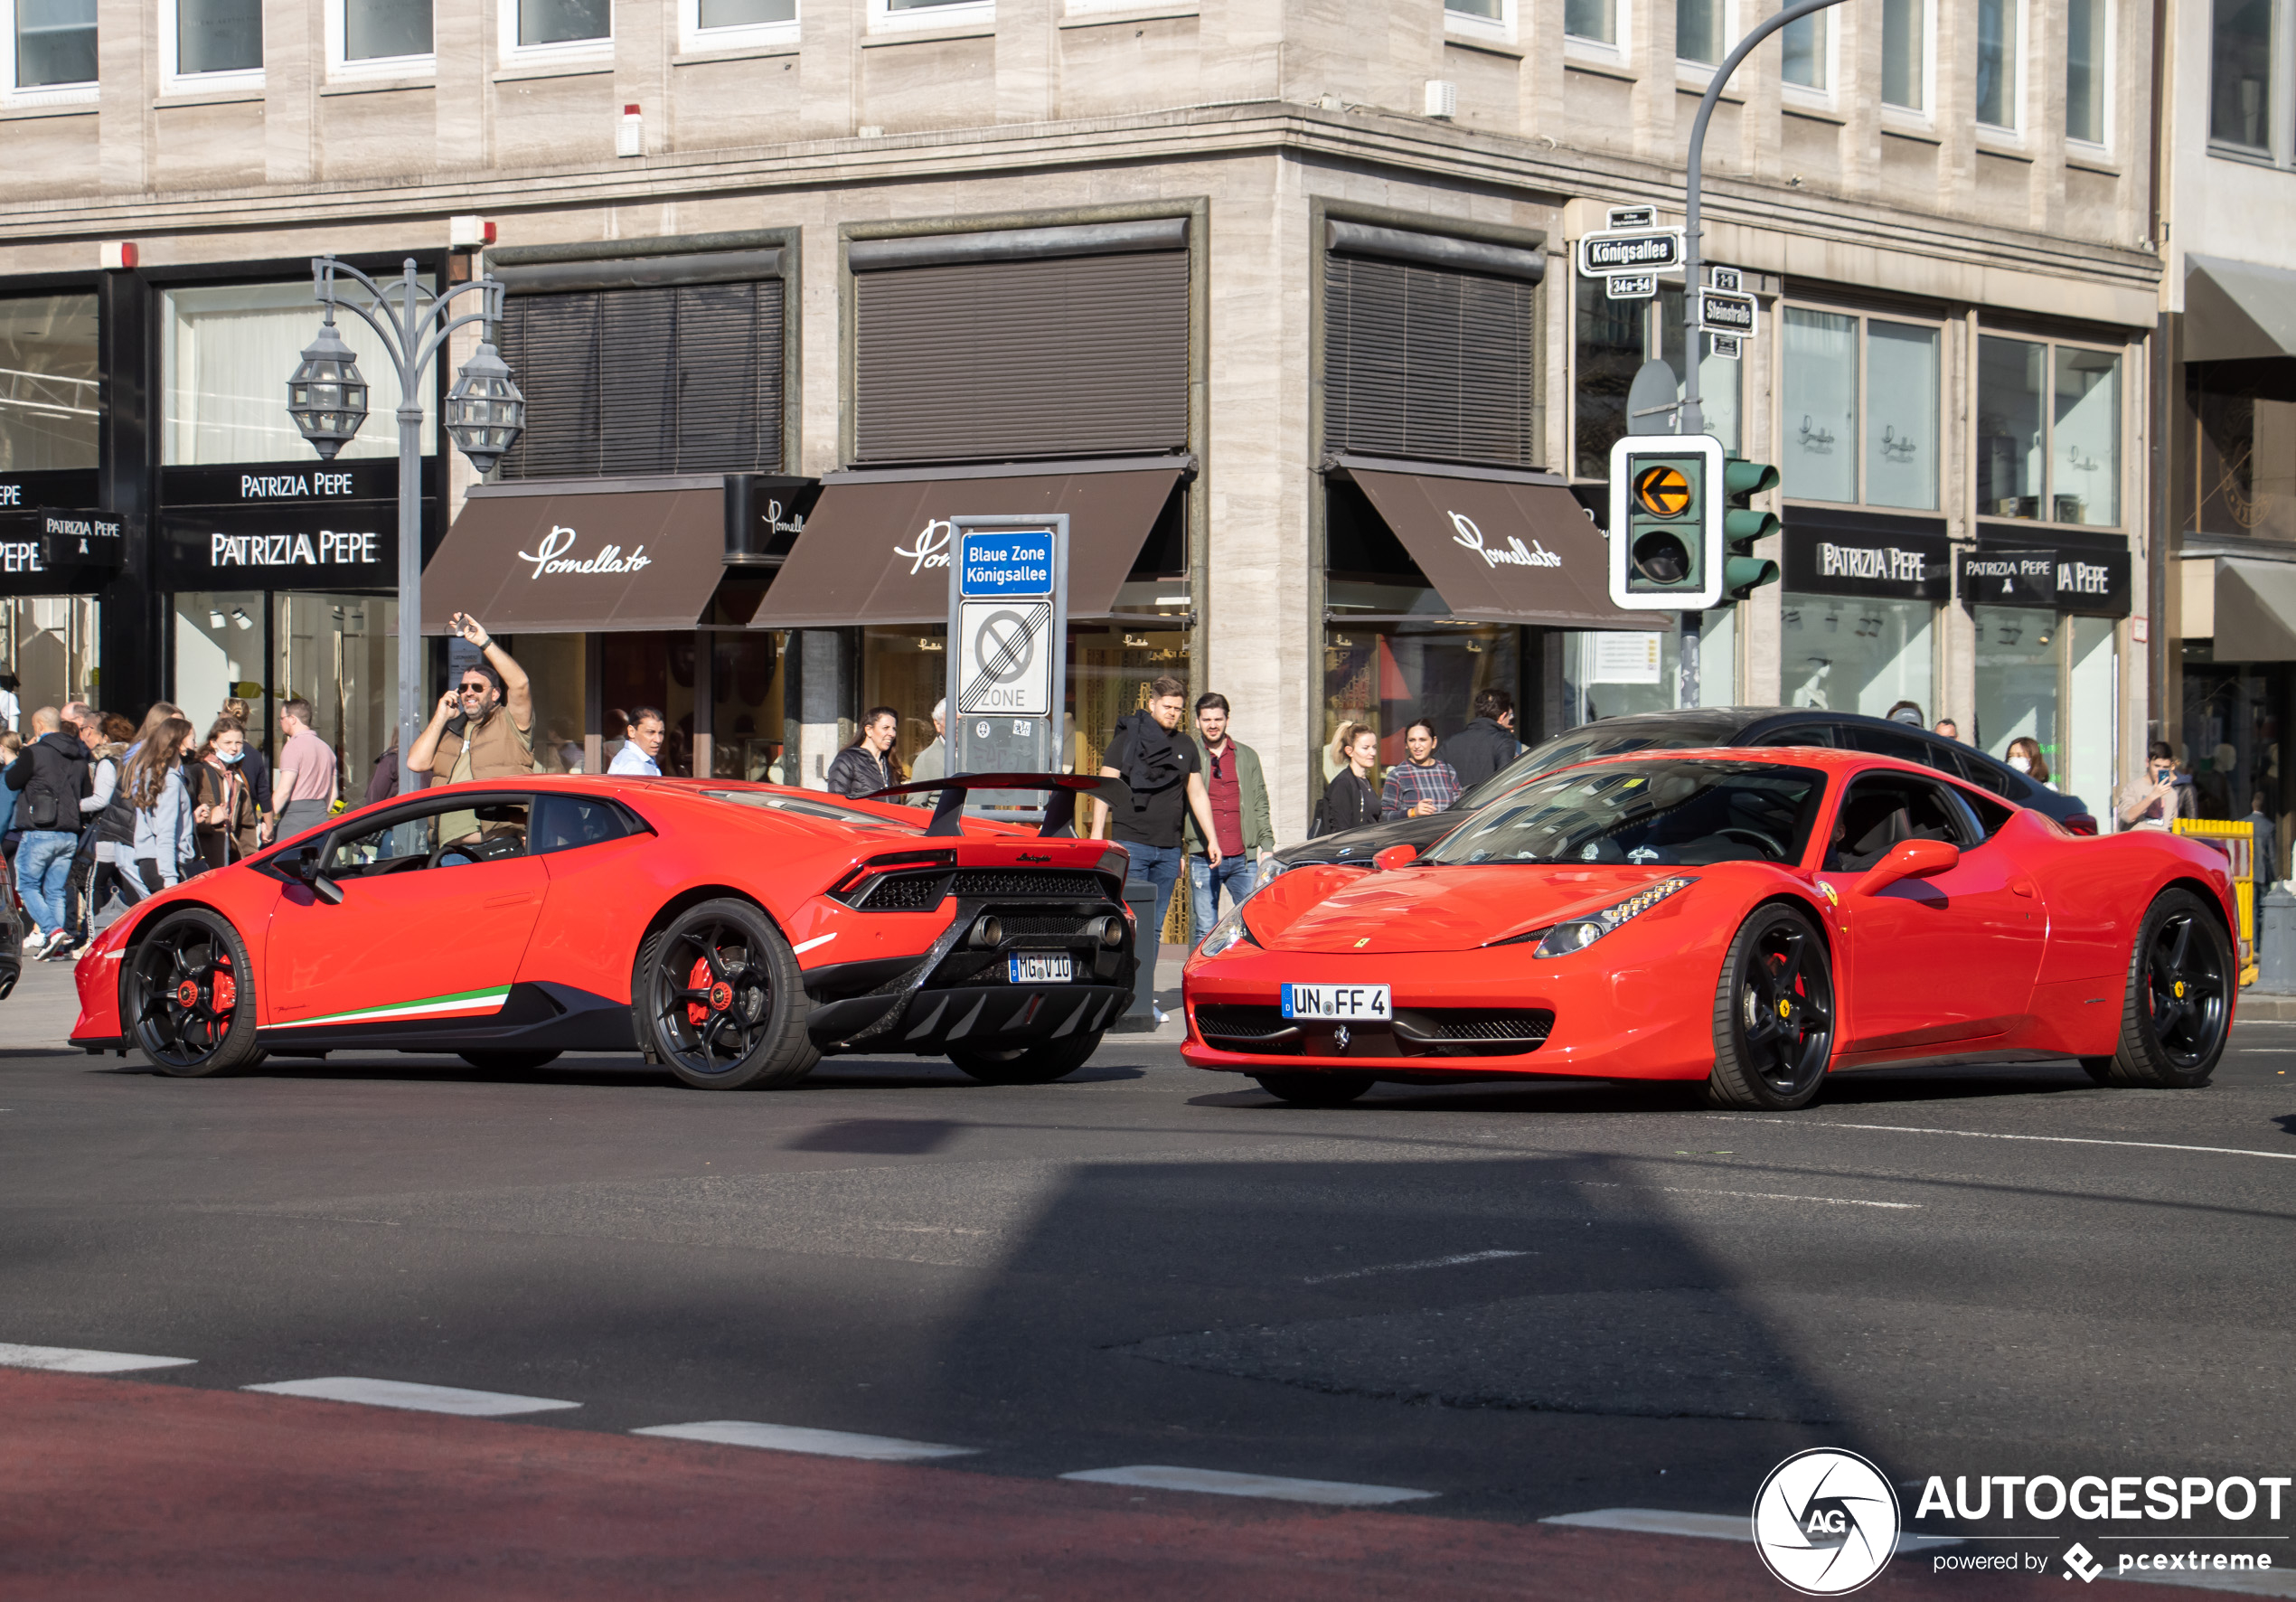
(42, 808)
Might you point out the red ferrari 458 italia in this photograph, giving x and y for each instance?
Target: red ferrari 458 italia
(734, 933)
(1754, 918)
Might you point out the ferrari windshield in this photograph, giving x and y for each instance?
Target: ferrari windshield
(1662, 813)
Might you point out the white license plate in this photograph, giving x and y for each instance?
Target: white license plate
(1041, 967)
(1345, 1003)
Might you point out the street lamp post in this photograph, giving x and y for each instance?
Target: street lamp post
(484, 416)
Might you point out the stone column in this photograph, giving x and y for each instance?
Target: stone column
(127, 78)
(1027, 64)
(294, 63)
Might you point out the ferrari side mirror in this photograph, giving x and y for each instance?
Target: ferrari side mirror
(1395, 856)
(1916, 859)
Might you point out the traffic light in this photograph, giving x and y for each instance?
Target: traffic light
(1666, 522)
(1742, 572)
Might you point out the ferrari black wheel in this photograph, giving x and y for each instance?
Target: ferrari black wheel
(508, 1061)
(1773, 1014)
(1314, 1090)
(1037, 1064)
(720, 1002)
(2178, 1010)
(188, 997)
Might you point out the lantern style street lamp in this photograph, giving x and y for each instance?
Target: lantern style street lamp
(484, 416)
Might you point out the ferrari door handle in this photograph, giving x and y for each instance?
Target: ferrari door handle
(2020, 887)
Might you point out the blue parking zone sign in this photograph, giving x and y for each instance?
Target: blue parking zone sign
(996, 563)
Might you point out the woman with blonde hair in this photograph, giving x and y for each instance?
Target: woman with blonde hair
(1352, 797)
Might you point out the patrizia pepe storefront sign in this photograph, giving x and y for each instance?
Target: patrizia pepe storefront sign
(1877, 562)
(282, 525)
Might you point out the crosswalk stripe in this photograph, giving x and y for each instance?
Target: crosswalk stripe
(71, 1360)
(1216, 1482)
(1659, 1520)
(419, 1399)
(792, 1437)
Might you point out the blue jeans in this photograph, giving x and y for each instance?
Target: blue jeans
(1158, 865)
(1239, 875)
(43, 867)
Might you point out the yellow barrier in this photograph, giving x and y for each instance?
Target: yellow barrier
(2238, 843)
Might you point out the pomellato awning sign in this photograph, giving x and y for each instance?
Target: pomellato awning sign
(1907, 566)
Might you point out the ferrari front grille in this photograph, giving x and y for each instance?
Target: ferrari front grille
(1232, 1022)
(1463, 1023)
(1038, 882)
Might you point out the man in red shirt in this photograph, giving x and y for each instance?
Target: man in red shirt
(1238, 795)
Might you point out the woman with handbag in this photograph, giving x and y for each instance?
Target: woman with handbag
(225, 820)
(163, 850)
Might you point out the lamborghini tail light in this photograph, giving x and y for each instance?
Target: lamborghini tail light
(856, 884)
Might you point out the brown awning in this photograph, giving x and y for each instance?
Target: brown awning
(876, 548)
(1514, 550)
(607, 556)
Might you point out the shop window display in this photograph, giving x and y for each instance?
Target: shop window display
(747, 701)
(1858, 655)
(48, 387)
(49, 643)
(341, 654)
(2018, 653)
(1388, 674)
(555, 667)
(2229, 739)
(649, 670)
(2092, 680)
(906, 669)
(2247, 427)
(1611, 674)
(2049, 432)
(1860, 409)
(220, 650)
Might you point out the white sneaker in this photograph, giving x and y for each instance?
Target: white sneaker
(36, 944)
(1160, 1013)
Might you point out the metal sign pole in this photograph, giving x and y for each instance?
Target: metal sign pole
(1007, 655)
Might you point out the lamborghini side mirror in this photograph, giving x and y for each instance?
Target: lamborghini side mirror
(304, 868)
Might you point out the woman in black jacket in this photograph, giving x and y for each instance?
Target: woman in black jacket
(868, 764)
(1352, 798)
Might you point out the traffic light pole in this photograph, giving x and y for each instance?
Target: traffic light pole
(1692, 416)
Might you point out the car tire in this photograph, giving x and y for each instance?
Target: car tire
(2176, 1011)
(1039, 1064)
(1314, 1090)
(509, 1061)
(1774, 1012)
(719, 1000)
(186, 996)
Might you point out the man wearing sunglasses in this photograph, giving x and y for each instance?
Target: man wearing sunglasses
(483, 725)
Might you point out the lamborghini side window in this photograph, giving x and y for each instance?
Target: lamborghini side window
(568, 823)
(1882, 811)
(445, 834)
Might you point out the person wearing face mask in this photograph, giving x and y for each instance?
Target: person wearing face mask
(2161, 797)
(2024, 755)
(226, 822)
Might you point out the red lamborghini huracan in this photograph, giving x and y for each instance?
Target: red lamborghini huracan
(1753, 918)
(733, 933)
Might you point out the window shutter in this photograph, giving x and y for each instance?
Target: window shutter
(1426, 361)
(1002, 360)
(628, 382)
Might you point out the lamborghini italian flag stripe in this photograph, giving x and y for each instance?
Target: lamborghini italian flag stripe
(463, 1004)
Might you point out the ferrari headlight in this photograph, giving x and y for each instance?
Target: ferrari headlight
(1580, 933)
(1227, 933)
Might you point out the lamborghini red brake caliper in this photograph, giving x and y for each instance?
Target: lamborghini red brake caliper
(697, 1012)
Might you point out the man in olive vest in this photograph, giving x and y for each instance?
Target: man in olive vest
(482, 728)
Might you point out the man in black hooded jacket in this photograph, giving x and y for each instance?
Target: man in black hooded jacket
(1486, 745)
(53, 776)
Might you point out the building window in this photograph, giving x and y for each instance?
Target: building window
(2240, 88)
(2247, 450)
(381, 29)
(2087, 52)
(1612, 339)
(54, 42)
(1998, 22)
(2049, 432)
(722, 24)
(1427, 362)
(1608, 675)
(1858, 653)
(2019, 651)
(563, 22)
(1698, 31)
(1595, 21)
(48, 386)
(207, 38)
(1905, 54)
(1860, 410)
(1477, 19)
(885, 15)
(225, 355)
(1806, 47)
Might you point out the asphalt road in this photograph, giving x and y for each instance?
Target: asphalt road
(1527, 1301)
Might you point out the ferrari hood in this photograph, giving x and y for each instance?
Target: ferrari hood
(1430, 909)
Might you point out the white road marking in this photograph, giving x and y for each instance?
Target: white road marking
(413, 1397)
(1464, 1256)
(817, 1443)
(1778, 1196)
(1213, 1481)
(802, 946)
(1655, 1521)
(69, 1360)
(2153, 1145)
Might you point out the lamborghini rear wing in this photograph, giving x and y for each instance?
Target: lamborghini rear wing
(1060, 808)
